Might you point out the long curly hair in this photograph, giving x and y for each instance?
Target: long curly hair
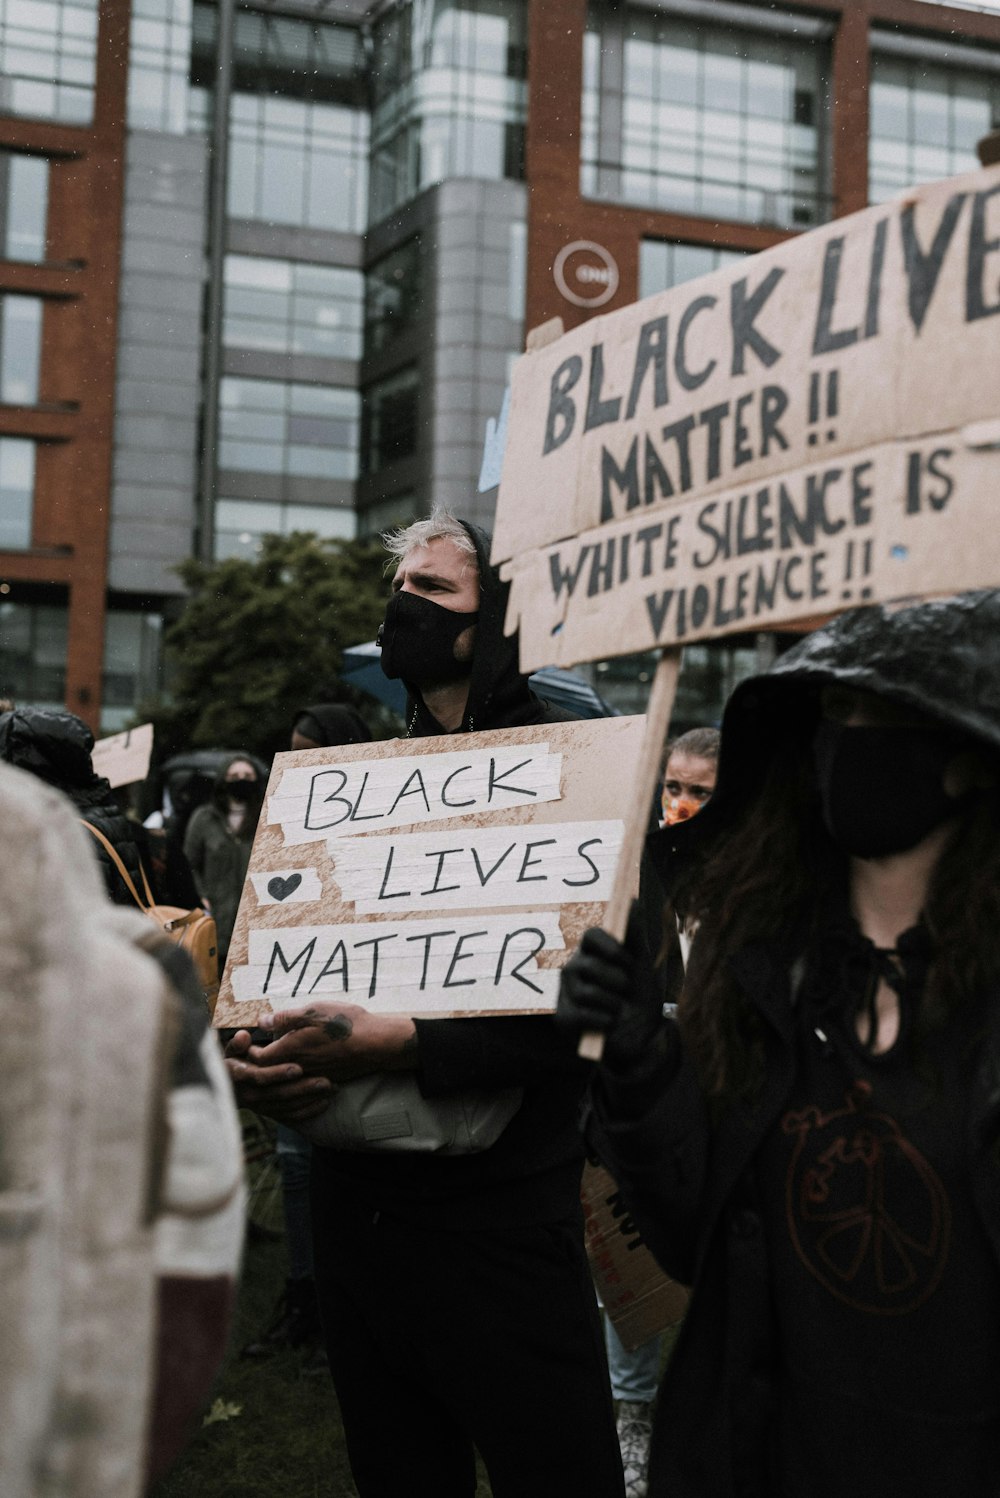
(776, 876)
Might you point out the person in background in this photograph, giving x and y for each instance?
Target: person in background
(218, 840)
(296, 1321)
(328, 723)
(688, 782)
(56, 747)
(689, 777)
(813, 1143)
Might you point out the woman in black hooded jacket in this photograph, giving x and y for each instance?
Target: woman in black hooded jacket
(813, 1143)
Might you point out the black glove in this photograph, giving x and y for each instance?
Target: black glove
(611, 987)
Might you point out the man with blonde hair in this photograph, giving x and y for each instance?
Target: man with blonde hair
(456, 1298)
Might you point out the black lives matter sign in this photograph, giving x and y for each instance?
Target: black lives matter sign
(809, 429)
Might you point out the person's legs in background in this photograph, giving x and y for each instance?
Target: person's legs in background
(635, 1377)
(296, 1320)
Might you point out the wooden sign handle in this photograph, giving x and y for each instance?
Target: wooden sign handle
(658, 711)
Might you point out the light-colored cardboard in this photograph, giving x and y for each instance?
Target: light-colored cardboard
(854, 368)
(639, 1298)
(366, 843)
(123, 758)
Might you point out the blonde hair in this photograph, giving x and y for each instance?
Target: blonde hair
(440, 525)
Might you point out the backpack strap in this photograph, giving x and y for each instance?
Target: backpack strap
(123, 871)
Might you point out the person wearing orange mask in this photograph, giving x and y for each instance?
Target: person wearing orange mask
(689, 778)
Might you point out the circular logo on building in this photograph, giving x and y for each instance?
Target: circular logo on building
(586, 273)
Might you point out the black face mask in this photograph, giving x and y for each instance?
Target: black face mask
(418, 641)
(882, 789)
(242, 790)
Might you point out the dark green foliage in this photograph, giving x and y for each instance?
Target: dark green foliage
(258, 640)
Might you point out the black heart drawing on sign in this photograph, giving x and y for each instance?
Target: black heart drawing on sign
(282, 888)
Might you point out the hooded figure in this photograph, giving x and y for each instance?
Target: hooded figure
(497, 694)
(56, 747)
(218, 841)
(328, 723)
(813, 1142)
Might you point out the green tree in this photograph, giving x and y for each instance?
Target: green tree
(257, 640)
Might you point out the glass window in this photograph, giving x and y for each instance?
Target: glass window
(925, 123)
(24, 206)
(20, 349)
(17, 492)
(713, 121)
(299, 118)
(292, 162)
(384, 514)
(48, 59)
(663, 264)
(391, 417)
(131, 673)
(274, 426)
(292, 308)
(241, 524)
(33, 640)
(393, 295)
(159, 58)
(450, 96)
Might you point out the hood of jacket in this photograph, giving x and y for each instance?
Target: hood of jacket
(499, 696)
(55, 746)
(940, 658)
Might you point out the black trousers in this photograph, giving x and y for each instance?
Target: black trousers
(441, 1341)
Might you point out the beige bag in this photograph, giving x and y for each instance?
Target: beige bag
(194, 930)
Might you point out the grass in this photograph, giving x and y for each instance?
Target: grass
(287, 1438)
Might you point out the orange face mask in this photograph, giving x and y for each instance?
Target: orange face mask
(679, 808)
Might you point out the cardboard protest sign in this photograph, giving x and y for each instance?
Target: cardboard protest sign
(813, 428)
(445, 877)
(640, 1299)
(124, 758)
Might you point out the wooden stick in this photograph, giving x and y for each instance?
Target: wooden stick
(658, 711)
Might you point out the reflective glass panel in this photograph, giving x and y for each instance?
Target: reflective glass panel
(925, 123)
(33, 639)
(391, 419)
(48, 59)
(274, 426)
(393, 295)
(20, 349)
(704, 120)
(293, 308)
(450, 96)
(17, 492)
(240, 524)
(24, 205)
(663, 264)
(159, 58)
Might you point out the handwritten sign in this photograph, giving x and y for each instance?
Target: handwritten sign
(810, 429)
(417, 878)
(124, 758)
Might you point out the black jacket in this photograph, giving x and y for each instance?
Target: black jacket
(691, 1192)
(56, 747)
(688, 1181)
(532, 1173)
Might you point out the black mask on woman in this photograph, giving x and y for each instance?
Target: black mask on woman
(418, 640)
(242, 790)
(882, 788)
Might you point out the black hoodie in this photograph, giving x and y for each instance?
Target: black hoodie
(56, 747)
(499, 696)
(532, 1173)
